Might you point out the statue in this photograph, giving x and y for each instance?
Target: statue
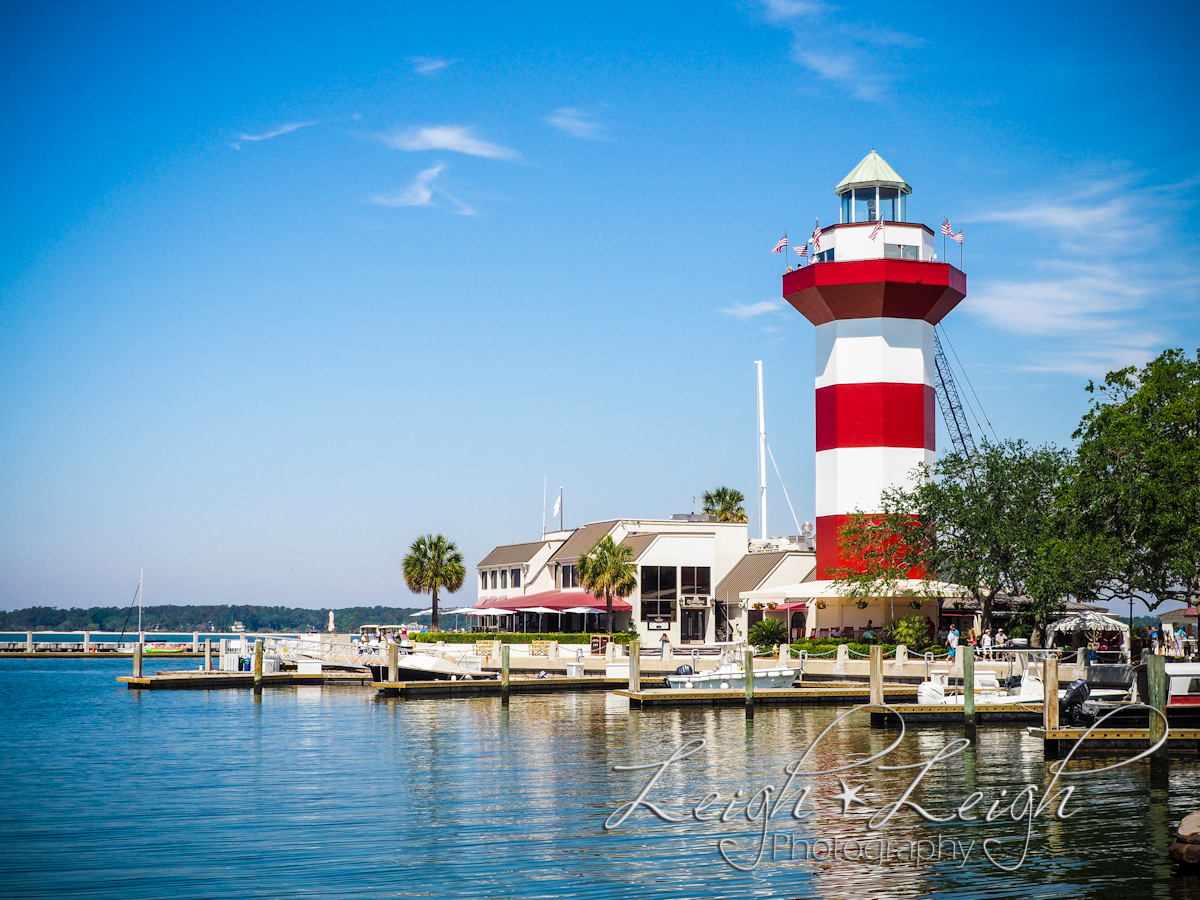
(331, 621)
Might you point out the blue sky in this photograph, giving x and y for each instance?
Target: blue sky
(283, 287)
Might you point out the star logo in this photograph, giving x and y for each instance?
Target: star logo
(848, 796)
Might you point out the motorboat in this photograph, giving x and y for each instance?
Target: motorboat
(989, 690)
(1184, 684)
(731, 675)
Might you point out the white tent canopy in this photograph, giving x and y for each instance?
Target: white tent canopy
(1088, 621)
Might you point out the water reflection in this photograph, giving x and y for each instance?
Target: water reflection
(330, 792)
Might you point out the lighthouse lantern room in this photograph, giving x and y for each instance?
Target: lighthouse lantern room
(874, 291)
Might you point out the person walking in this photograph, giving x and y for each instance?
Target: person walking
(986, 643)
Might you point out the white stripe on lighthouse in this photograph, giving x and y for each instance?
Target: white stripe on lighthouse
(877, 350)
(853, 479)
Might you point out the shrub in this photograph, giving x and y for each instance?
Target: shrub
(470, 637)
(768, 633)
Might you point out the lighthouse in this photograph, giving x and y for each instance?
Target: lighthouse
(874, 290)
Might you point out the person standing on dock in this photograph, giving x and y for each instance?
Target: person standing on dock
(985, 643)
(663, 644)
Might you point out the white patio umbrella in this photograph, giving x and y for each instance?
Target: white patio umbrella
(541, 611)
(1090, 622)
(584, 611)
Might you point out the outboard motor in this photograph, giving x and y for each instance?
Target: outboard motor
(1071, 705)
(685, 669)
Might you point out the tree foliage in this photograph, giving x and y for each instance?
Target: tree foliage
(607, 571)
(725, 503)
(433, 563)
(979, 522)
(1133, 501)
(768, 633)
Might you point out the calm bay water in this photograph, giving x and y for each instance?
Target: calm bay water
(330, 792)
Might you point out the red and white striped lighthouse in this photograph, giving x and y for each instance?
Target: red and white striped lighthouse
(874, 291)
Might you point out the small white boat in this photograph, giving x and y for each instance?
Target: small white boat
(1184, 687)
(730, 675)
(937, 691)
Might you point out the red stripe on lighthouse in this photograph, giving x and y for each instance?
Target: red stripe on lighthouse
(875, 415)
(829, 554)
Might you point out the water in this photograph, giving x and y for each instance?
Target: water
(331, 792)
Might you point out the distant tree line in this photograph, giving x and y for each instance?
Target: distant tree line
(200, 618)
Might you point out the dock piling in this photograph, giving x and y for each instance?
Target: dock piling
(29, 642)
(87, 642)
(1050, 693)
(258, 667)
(393, 662)
(1156, 684)
(749, 682)
(968, 663)
(876, 697)
(208, 654)
(195, 642)
(635, 665)
(504, 674)
(137, 660)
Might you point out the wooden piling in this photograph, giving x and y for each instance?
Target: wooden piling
(208, 654)
(750, 683)
(29, 642)
(635, 665)
(968, 664)
(87, 642)
(258, 660)
(1050, 693)
(393, 662)
(195, 642)
(137, 660)
(504, 673)
(1156, 684)
(876, 695)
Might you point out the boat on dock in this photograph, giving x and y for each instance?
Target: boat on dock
(989, 690)
(730, 674)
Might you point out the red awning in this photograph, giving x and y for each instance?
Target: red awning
(560, 600)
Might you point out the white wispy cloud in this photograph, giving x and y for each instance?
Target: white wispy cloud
(1099, 305)
(421, 192)
(845, 52)
(456, 138)
(577, 123)
(749, 310)
(427, 65)
(266, 136)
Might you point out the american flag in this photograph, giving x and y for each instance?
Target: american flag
(816, 236)
(782, 243)
(878, 228)
(946, 229)
(957, 237)
(802, 250)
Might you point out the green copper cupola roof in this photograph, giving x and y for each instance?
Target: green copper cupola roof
(873, 171)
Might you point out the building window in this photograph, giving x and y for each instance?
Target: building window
(889, 204)
(658, 609)
(901, 251)
(516, 577)
(864, 204)
(483, 581)
(658, 583)
(846, 207)
(825, 255)
(696, 581)
(493, 579)
(570, 576)
(504, 579)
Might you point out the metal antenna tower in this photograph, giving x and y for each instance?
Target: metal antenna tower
(952, 409)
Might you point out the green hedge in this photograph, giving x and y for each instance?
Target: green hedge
(816, 647)
(458, 637)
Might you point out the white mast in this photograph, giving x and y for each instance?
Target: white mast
(141, 574)
(762, 458)
(544, 506)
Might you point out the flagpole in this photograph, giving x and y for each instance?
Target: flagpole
(543, 506)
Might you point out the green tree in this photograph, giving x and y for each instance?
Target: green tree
(433, 563)
(767, 633)
(979, 522)
(1134, 498)
(911, 631)
(726, 504)
(607, 570)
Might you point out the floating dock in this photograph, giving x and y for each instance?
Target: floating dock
(218, 680)
(805, 695)
(986, 713)
(494, 688)
(1059, 741)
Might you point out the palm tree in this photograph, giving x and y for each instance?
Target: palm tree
(433, 563)
(607, 569)
(726, 504)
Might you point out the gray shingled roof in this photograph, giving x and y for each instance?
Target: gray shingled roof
(582, 539)
(511, 554)
(750, 572)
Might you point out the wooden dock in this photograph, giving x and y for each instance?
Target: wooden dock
(222, 680)
(986, 713)
(493, 688)
(805, 695)
(1059, 741)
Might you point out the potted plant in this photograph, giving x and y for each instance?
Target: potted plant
(914, 604)
(861, 604)
(821, 604)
